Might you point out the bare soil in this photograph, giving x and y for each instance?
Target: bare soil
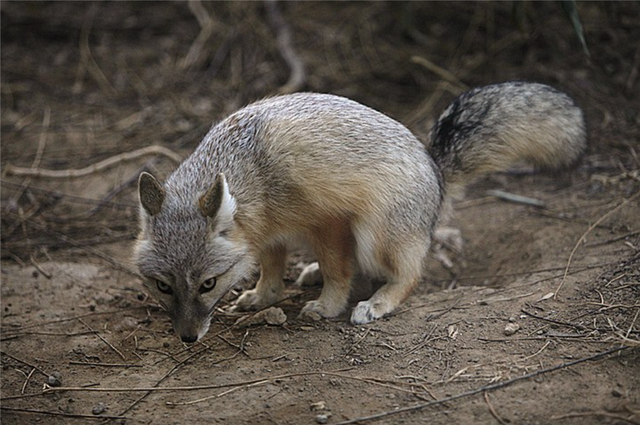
(81, 342)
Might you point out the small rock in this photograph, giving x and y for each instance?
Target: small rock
(271, 316)
(55, 379)
(99, 409)
(616, 392)
(274, 316)
(320, 405)
(511, 328)
(452, 331)
(322, 418)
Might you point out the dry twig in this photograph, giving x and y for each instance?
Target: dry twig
(46, 121)
(546, 344)
(197, 52)
(298, 76)
(440, 71)
(39, 267)
(518, 199)
(118, 352)
(93, 168)
(603, 413)
(26, 381)
(66, 415)
(557, 322)
(492, 410)
(25, 363)
(237, 385)
(156, 388)
(67, 319)
(616, 239)
(87, 62)
(104, 364)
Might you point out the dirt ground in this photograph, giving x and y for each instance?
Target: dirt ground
(483, 342)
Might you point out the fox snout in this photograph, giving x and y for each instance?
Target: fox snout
(189, 338)
(190, 330)
(190, 324)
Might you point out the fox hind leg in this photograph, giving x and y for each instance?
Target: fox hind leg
(402, 263)
(333, 245)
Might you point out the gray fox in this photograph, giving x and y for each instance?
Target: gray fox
(352, 184)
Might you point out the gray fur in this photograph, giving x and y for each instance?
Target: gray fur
(294, 164)
(494, 127)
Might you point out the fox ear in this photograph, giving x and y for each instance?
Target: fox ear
(217, 202)
(151, 193)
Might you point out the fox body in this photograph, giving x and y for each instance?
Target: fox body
(353, 184)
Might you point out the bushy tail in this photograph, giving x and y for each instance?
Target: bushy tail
(495, 127)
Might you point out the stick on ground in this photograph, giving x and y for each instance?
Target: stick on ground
(66, 415)
(298, 76)
(12, 170)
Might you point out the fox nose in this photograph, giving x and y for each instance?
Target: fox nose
(189, 338)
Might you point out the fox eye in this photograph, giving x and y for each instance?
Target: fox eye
(163, 287)
(208, 285)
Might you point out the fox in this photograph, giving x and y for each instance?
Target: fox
(351, 184)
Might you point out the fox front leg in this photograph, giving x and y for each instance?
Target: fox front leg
(270, 286)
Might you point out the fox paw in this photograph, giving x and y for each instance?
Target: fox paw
(251, 299)
(315, 309)
(449, 238)
(310, 276)
(367, 311)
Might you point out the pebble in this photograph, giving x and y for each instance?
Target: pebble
(275, 316)
(99, 409)
(511, 328)
(55, 379)
(322, 418)
(320, 405)
(271, 316)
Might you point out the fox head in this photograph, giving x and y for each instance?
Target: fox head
(187, 253)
